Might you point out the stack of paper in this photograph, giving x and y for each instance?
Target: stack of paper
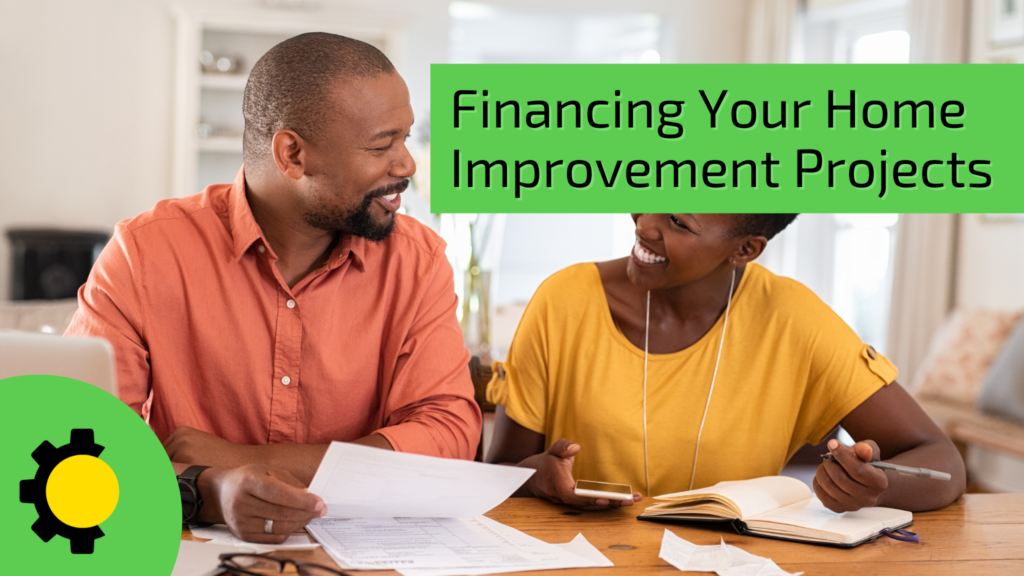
(723, 559)
(423, 516)
(446, 546)
(578, 546)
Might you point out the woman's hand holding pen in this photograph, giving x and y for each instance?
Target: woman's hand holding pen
(847, 482)
(553, 480)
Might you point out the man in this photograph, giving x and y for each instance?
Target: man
(256, 322)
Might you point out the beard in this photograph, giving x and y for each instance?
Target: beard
(359, 221)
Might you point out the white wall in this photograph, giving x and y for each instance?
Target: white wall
(85, 109)
(86, 101)
(990, 264)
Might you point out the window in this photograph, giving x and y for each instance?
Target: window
(854, 32)
(524, 249)
(862, 284)
(891, 47)
(847, 259)
(488, 34)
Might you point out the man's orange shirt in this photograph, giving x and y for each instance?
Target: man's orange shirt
(207, 333)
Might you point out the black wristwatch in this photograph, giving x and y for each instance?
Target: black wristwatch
(191, 501)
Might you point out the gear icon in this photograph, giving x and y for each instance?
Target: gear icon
(73, 491)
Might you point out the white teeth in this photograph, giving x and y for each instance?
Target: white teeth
(646, 256)
(391, 197)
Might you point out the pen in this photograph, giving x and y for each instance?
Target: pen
(905, 470)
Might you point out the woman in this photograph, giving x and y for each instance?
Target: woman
(686, 364)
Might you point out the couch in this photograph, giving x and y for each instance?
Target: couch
(968, 381)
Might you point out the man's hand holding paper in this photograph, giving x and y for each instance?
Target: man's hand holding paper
(359, 482)
(246, 497)
(412, 512)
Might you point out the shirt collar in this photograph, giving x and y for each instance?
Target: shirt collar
(349, 247)
(245, 231)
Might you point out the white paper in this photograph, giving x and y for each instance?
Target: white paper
(846, 527)
(582, 547)
(722, 559)
(361, 482)
(202, 559)
(445, 545)
(579, 553)
(221, 535)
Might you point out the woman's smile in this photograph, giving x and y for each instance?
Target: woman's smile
(643, 255)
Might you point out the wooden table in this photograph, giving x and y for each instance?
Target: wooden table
(978, 534)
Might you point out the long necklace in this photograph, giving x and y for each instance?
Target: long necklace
(714, 375)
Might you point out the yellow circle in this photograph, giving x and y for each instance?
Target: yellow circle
(82, 491)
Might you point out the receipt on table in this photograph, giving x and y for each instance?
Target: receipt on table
(361, 482)
(722, 559)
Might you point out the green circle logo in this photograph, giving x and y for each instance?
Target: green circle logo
(88, 489)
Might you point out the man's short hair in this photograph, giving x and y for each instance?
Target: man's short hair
(767, 225)
(290, 86)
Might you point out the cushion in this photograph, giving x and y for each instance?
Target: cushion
(961, 354)
(1002, 393)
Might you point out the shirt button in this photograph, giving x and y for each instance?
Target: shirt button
(291, 303)
(261, 248)
(286, 380)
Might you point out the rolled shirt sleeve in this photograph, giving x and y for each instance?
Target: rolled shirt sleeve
(431, 407)
(109, 307)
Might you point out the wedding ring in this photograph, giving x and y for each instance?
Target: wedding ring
(268, 526)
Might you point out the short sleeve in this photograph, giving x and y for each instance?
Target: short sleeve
(520, 384)
(843, 373)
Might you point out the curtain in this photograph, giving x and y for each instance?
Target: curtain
(922, 287)
(924, 267)
(938, 31)
(770, 31)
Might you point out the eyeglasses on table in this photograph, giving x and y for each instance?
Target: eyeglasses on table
(246, 563)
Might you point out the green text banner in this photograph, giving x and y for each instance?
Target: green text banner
(726, 138)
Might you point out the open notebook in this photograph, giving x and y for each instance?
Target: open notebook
(775, 507)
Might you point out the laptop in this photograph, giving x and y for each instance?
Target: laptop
(87, 359)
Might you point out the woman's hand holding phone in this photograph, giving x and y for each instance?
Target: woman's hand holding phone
(553, 479)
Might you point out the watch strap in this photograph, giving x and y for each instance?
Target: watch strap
(191, 500)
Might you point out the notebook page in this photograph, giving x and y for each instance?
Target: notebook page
(751, 497)
(814, 520)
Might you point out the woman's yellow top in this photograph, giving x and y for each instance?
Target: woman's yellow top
(790, 370)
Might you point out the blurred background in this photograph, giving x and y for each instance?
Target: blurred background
(109, 106)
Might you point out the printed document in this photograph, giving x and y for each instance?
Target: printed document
(443, 546)
(579, 547)
(362, 482)
(423, 516)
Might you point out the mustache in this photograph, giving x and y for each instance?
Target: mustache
(397, 187)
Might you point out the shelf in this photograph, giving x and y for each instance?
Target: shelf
(223, 81)
(215, 98)
(220, 144)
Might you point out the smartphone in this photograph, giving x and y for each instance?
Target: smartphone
(607, 490)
